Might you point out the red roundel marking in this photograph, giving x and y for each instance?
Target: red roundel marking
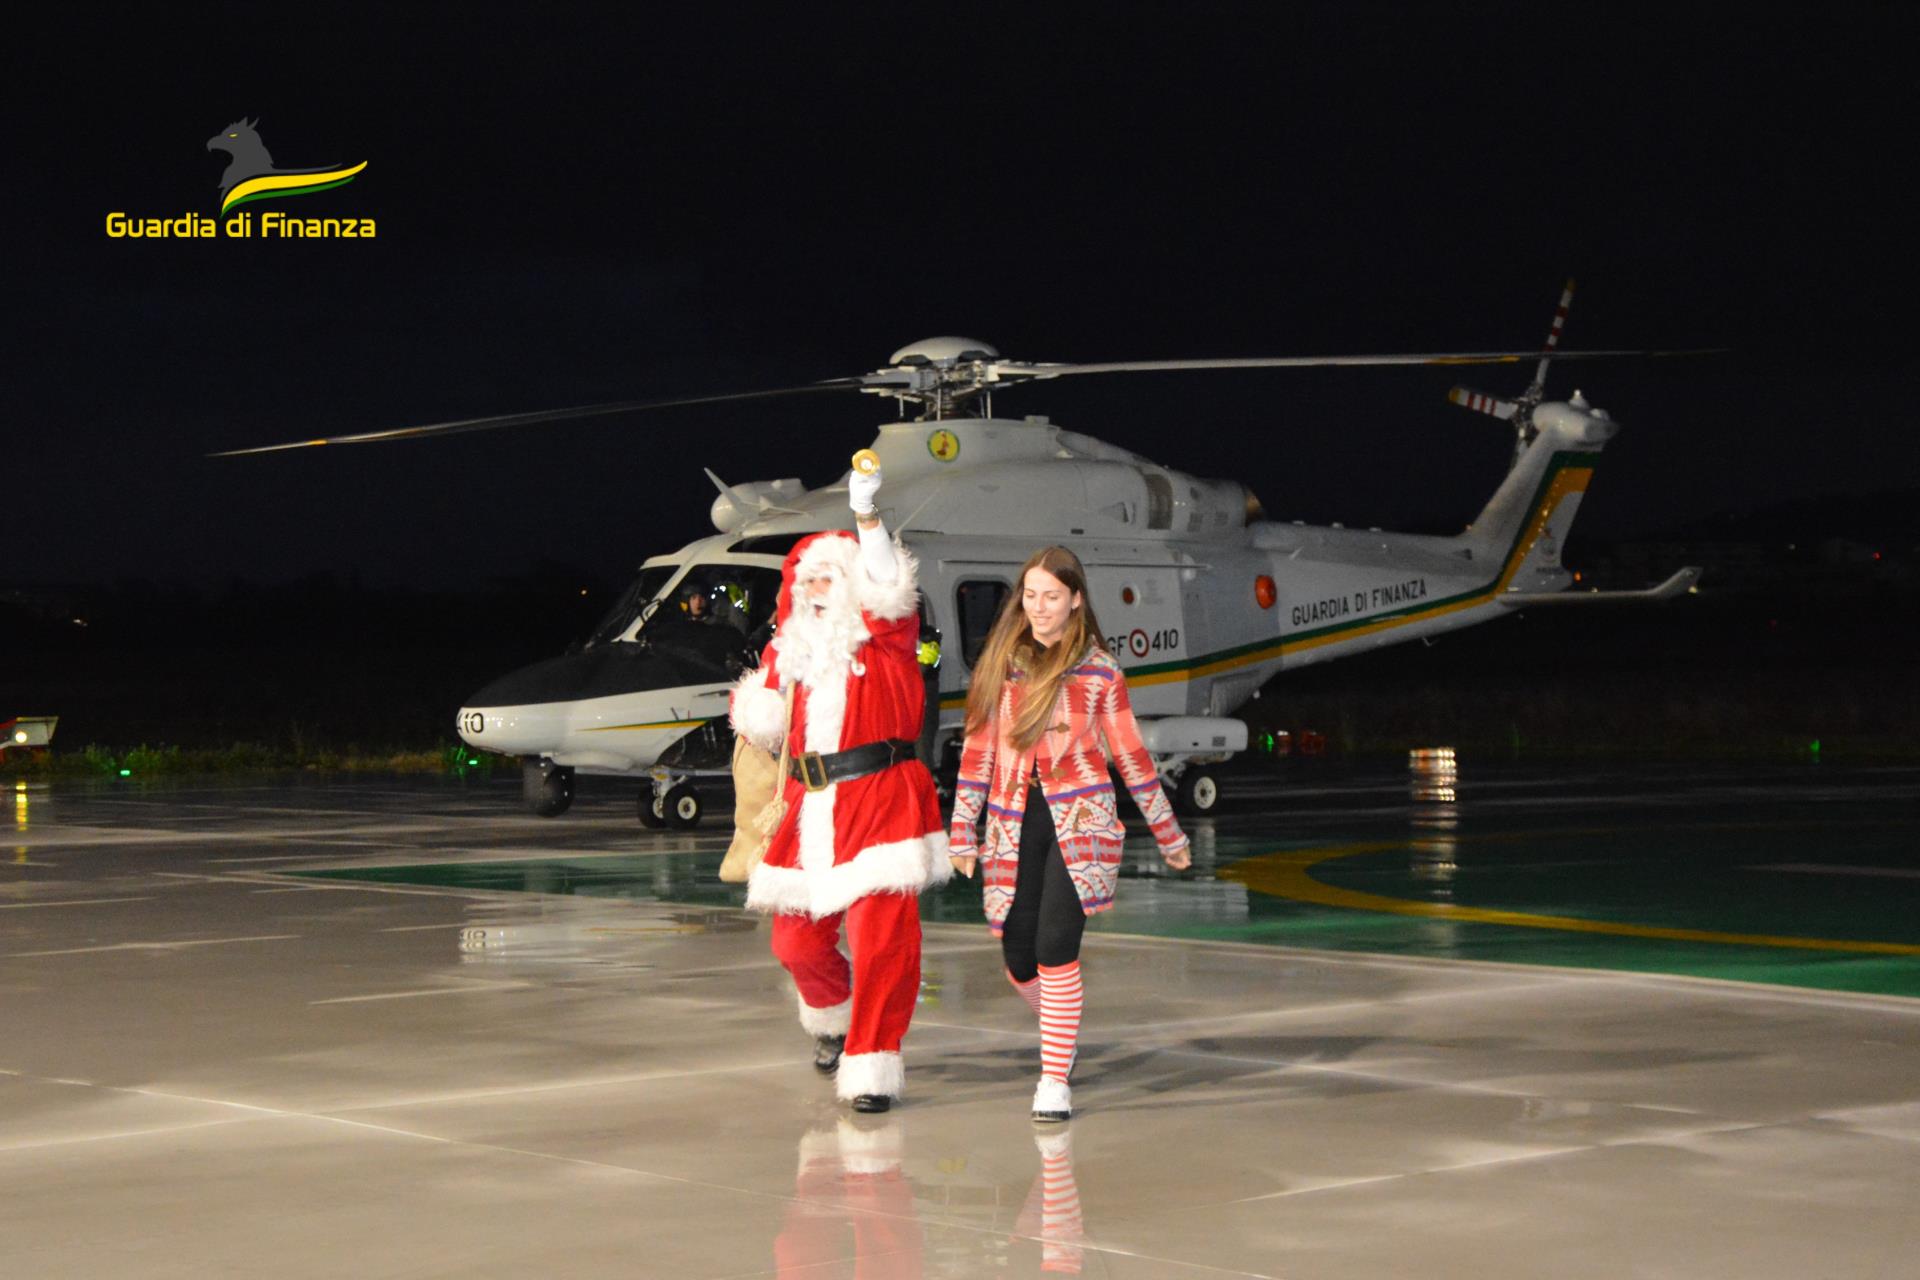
(1137, 643)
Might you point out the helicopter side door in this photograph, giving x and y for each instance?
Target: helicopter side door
(1142, 606)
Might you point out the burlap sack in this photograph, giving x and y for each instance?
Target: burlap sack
(759, 803)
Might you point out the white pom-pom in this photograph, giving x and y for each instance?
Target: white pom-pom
(759, 714)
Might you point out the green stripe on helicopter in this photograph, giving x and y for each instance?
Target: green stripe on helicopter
(652, 724)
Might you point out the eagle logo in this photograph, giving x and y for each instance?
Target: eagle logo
(251, 174)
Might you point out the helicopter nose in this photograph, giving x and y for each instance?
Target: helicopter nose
(511, 730)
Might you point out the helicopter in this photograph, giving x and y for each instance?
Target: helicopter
(1204, 599)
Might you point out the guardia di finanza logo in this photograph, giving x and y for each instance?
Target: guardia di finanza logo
(251, 175)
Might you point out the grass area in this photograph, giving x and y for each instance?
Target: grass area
(93, 761)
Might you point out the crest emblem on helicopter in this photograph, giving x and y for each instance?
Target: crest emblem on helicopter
(944, 445)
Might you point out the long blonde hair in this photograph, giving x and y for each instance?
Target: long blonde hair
(1011, 647)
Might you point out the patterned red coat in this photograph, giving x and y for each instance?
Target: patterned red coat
(875, 834)
(1093, 717)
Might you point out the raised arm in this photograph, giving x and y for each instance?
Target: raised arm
(885, 585)
(1130, 757)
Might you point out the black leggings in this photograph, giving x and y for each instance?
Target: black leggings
(1046, 921)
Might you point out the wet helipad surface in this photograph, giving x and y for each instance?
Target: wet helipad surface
(1485, 1031)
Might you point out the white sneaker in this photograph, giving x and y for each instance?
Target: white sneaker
(1052, 1101)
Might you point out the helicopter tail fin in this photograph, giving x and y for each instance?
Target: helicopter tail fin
(1525, 523)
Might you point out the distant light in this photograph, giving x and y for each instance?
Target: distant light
(473, 762)
(583, 591)
(126, 773)
(1813, 748)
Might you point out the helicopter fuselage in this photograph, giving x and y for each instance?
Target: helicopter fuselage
(1200, 599)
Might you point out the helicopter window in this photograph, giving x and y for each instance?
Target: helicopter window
(771, 544)
(1159, 500)
(978, 604)
(631, 602)
(729, 597)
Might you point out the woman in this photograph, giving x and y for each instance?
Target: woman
(1045, 696)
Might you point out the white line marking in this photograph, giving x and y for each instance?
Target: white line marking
(238, 878)
(110, 1137)
(308, 888)
(1340, 1006)
(66, 902)
(1823, 869)
(421, 928)
(285, 857)
(1648, 1139)
(428, 991)
(152, 946)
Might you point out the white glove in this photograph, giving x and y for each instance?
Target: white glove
(861, 491)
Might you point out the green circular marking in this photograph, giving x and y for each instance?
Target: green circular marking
(944, 445)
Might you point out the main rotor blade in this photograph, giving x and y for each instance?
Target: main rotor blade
(545, 415)
(1319, 362)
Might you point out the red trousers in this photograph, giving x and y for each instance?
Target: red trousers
(883, 980)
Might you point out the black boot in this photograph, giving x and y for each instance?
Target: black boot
(872, 1103)
(826, 1053)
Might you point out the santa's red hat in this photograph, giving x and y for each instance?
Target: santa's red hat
(839, 551)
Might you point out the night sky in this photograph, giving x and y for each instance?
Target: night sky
(572, 210)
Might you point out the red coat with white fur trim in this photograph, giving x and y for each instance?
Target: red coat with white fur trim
(881, 833)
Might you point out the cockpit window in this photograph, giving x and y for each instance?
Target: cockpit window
(720, 612)
(737, 597)
(635, 598)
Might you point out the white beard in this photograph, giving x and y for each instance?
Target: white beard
(819, 649)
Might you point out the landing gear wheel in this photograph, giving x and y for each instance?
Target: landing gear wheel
(652, 815)
(1198, 793)
(547, 789)
(682, 807)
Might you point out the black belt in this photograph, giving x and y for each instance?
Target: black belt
(819, 771)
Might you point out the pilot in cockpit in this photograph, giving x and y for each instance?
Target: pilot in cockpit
(695, 603)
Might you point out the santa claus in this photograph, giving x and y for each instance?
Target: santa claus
(862, 834)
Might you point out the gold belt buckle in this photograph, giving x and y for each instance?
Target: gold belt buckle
(811, 763)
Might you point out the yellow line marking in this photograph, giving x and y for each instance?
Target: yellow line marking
(1284, 875)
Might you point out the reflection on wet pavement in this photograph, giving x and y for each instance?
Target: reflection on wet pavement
(324, 1015)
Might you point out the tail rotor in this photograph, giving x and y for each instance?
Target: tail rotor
(1519, 412)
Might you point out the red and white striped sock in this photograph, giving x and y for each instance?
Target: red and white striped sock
(1061, 997)
(1061, 1227)
(1029, 991)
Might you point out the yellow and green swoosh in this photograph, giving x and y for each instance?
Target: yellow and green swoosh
(271, 185)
